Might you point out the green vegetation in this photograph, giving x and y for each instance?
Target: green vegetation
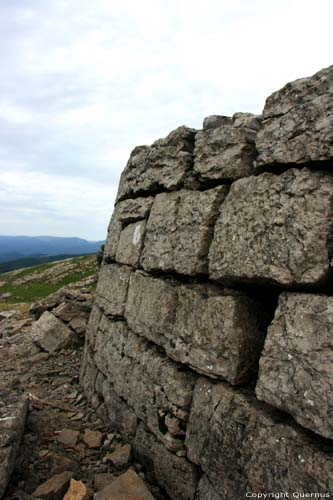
(34, 283)
(12, 265)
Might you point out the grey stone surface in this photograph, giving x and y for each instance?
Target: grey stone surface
(130, 243)
(257, 449)
(94, 319)
(217, 332)
(13, 412)
(225, 149)
(120, 415)
(162, 166)
(298, 122)
(206, 491)
(125, 213)
(51, 334)
(157, 389)
(180, 229)
(176, 475)
(112, 287)
(275, 229)
(296, 366)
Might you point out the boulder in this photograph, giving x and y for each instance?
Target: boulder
(78, 491)
(162, 166)
(120, 457)
(55, 487)
(225, 149)
(258, 449)
(180, 229)
(13, 412)
(51, 334)
(93, 439)
(298, 123)
(275, 229)
(128, 486)
(296, 366)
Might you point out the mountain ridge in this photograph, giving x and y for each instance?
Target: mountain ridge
(20, 246)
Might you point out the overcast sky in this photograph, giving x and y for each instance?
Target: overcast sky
(83, 82)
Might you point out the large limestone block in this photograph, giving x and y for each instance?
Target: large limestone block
(159, 391)
(112, 287)
(176, 475)
(217, 332)
(226, 149)
(51, 334)
(180, 229)
(13, 412)
(296, 367)
(298, 122)
(275, 229)
(120, 415)
(244, 446)
(151, 307)
(162, 166)
(127, 221)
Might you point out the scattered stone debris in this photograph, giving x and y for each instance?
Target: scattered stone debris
(64, 445)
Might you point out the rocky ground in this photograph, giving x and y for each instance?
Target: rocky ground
(64, 444)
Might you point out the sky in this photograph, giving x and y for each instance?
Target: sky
(83, 82)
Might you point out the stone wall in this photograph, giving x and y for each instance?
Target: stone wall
(210, 344)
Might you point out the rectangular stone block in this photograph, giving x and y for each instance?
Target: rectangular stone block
(298, 123)
(92, 326)
(151, 307)
(120, 415)
(162, 166)
(226, 148)
(159, 391)
(13, 412)
(275, 229)
(217, 332)
(244, 446)
(112, 287)
(180, 229)
(88, 373)
(177, 476)
(131, 213)
(296, 366)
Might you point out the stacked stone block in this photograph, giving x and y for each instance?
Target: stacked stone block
(210, 343)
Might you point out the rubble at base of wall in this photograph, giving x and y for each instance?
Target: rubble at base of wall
(209, 346)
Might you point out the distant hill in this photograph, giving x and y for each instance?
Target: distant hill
(20, 247)
(34, 283)
(13, 265)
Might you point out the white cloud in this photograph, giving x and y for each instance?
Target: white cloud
(82, 83)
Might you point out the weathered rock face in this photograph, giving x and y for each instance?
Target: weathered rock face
(13, 412)
(158, 391)
(218, 333)
(298, 122)
(230, 431)
(165, 164)
(51, 334)
(225, 149)
(196, 213)
(296, 367)
(275, 229)
(180, 229)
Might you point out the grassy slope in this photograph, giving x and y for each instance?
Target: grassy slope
(39, 281)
